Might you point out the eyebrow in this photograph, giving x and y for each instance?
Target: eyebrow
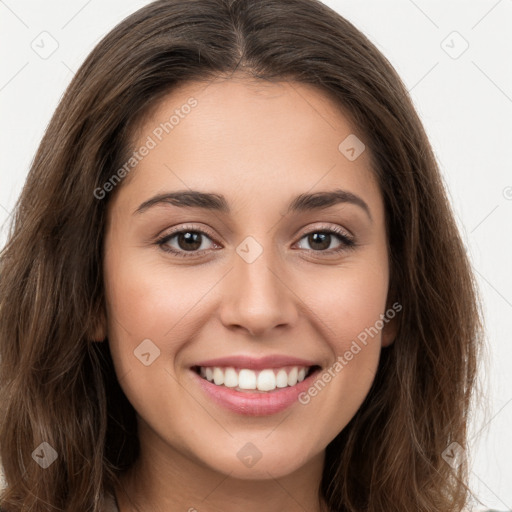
(217, 202)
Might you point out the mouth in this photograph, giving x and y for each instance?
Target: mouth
(255, 386)
(266, 380)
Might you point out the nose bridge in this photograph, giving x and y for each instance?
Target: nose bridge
(258, 298)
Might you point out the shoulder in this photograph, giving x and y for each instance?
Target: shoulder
(480, 510)
(110, 502)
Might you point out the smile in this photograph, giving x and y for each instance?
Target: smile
(251, 391)
(245, 379)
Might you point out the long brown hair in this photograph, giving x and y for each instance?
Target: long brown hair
(58, 386)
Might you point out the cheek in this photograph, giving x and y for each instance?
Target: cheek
(348, 305)
(147, 311)
(348, 319)
(145, 301)
(347, 301)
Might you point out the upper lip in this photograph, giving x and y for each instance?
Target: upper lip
(257, 363)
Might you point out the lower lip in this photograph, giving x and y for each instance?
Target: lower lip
(255, 404)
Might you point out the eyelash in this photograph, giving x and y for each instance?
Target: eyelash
(347, 243)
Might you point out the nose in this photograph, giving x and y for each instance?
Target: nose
(256, 296)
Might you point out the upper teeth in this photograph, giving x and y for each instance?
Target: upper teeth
(263, 380)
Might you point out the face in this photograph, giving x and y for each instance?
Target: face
(276, 276)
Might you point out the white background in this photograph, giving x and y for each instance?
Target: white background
(465, 104)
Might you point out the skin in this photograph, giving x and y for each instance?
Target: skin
(260, 145)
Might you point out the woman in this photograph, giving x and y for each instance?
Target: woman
(314, 348)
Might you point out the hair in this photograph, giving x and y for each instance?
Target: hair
(59, 386)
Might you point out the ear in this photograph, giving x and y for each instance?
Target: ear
(393, 308)
(99, 326)
(389, 332)
(390, 328)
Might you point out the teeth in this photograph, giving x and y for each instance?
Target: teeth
(245, 379)
(292, 376)
(281, 379)
(230, 378)
(218, 376)
(266, 380)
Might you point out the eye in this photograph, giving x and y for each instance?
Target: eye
(320, 240)
(184, 241)
(187, 242)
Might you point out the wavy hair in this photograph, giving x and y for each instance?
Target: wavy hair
(58, 386)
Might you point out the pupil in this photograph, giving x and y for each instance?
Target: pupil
(192, 241)
(320, 238)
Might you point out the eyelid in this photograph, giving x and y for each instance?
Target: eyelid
(164, 238)
(306, 231)
(328, 227)
(190, 227)
(347, 239)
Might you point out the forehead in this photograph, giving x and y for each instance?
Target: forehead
(251, 139)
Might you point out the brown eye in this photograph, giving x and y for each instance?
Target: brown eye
(188, 240)
(184, 241)
(321, 240)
